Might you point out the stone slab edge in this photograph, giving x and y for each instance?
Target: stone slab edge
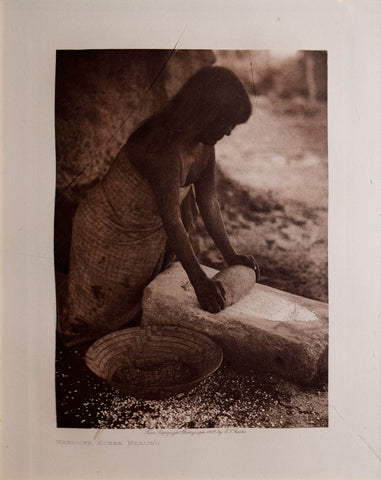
(294, 350)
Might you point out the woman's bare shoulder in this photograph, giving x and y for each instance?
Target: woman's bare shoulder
(206, 155)
(153, 161)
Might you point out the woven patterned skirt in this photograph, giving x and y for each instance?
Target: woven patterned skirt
(118, 246)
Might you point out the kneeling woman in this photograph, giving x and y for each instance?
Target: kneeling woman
(121, 228)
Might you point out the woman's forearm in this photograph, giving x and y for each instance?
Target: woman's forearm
(179, 242)
(210, 293)
(214, 224)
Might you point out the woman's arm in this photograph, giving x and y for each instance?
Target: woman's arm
(207, 202)
(164, 182)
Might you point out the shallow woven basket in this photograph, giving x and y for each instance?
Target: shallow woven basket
(148, 348)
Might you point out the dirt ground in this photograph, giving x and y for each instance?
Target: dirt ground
(227, 399)
(273, 189)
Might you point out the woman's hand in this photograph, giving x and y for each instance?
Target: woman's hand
(248, 261)
(210, 294)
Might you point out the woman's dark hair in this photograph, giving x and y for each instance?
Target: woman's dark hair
(210, 95)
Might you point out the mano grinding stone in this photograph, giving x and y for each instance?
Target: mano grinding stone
(237, 281)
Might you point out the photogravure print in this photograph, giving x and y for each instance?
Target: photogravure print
(139, 167)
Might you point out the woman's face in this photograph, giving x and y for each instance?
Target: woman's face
(213, 133)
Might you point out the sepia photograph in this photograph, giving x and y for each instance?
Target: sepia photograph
(191, 239)
(190, 261)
